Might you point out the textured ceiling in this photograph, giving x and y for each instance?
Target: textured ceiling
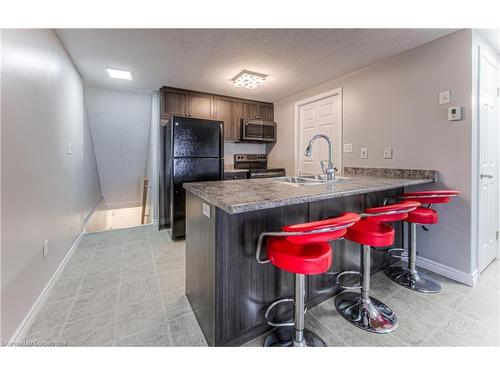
(206, 59)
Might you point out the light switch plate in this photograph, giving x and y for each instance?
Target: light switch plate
(388, 153)
(206, 210)
(347, 147)
(364, 153)
(445, 97)
(45, 250)
(69, 148)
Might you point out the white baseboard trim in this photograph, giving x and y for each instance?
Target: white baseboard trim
(449, 272)
(121, 228)
(35, 308)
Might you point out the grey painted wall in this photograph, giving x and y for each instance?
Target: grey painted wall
(46, 194)
(395, 103)
(120, 123)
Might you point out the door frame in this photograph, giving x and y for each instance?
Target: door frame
(478, 52)
(298, 131)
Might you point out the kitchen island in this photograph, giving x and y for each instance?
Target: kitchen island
(226, 287)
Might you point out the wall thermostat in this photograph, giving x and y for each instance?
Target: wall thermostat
(454, 113)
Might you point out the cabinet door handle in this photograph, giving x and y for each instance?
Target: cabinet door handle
(486, 175)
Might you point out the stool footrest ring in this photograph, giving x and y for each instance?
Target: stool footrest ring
(273, 305)
(403, 253)
(355, 287)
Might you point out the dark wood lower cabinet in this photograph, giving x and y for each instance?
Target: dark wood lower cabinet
(226, 287)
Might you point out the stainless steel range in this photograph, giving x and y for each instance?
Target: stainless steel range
(256, 164)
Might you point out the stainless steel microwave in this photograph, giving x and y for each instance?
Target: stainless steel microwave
(256, 130)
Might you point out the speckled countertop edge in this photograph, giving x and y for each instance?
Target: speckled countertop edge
(223, 193)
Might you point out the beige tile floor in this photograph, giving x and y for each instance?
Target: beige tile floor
(126, 288)
(122, 287)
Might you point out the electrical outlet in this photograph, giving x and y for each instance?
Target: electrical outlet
(388, 153)
(347, 147)
(364, 153)
(45, 251)
(445, 97)
(206, 209)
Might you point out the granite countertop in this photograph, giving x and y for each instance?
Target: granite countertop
(258, 194)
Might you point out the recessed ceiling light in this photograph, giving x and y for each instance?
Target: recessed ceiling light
(249, 80)
(120, 74)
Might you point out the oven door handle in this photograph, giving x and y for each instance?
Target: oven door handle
(266, 174)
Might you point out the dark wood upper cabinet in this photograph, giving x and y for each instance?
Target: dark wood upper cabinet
(266, 111)
(174, 102)
(179, 102)
(200, 105)
(250, 109)
(229, 111)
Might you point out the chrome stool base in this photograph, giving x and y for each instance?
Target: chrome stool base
(415, 281)
(283, 336)
(370, 315)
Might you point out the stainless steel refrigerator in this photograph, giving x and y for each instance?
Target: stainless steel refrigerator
(191, 150)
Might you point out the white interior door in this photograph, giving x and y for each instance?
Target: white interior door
(488, 159)
(321, 116)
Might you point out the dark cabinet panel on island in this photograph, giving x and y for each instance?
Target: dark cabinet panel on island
(200, 264)
(230, 291)
(247, 287)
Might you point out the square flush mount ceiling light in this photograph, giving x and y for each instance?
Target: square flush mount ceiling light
(120, 74)
(248, 79)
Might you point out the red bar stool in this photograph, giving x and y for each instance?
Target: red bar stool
(360, 309)
(408, 276)
(302, 249)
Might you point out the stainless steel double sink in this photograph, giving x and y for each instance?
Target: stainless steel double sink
(308, 180)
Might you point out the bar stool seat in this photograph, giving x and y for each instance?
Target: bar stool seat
(307, 259)
(422, 215)
(431, 196)
(302, 249)
(371, 233)
(408, 275)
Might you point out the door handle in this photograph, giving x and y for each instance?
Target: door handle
(486, 175)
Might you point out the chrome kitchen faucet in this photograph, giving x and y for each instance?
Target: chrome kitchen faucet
(330, 170)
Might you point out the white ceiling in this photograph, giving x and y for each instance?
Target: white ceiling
(206, 59)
